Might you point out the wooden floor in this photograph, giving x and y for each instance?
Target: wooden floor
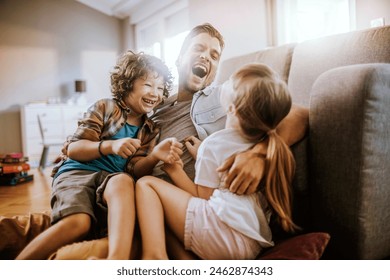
(30, 197)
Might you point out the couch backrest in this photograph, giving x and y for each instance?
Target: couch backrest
(314, 57)
(278, 58)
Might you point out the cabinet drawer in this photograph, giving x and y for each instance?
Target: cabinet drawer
(73, 114)
(46, 114)
(52, 129)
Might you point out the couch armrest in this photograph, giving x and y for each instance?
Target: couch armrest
(350, 159)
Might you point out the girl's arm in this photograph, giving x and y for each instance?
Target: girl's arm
(181, 180)
(168, 151)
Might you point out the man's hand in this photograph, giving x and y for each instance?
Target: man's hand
(244, 172)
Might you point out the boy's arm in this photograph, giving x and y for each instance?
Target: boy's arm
(83, 150)
(86, 150)
(245, 170)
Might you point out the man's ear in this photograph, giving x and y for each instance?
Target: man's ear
(231, 109)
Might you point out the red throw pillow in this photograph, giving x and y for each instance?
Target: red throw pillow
(308, 246)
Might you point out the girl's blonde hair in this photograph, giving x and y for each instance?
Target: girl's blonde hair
(262, 100)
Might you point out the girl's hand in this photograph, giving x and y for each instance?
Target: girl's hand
(169, 168)
(125, 147)
(192, 143)
(168, 150)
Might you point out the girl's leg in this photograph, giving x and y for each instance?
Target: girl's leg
(119, 196)
(175, 248)
(68, 230)
(159, 202)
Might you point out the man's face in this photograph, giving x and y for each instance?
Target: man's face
(198, 65)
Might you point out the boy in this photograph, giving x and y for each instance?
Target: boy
(115, 143)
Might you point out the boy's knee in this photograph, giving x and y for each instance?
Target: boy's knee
(120, 184)
(79, 224)
(121, 180)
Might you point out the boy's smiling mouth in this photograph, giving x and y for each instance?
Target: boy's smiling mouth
(149, 101)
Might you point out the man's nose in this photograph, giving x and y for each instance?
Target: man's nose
(205, 56)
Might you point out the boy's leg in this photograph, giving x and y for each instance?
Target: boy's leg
(68, 230)
(119, 197)
(159, 202)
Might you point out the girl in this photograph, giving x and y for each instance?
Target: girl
(208, 219)
(115, 143)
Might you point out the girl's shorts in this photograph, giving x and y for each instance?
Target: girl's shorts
(210, 238)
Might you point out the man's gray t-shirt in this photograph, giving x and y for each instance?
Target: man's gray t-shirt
(175, 121)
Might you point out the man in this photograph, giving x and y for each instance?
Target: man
(196, 111)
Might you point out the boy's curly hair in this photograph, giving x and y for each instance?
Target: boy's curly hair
(131, 66)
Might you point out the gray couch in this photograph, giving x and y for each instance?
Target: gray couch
(342, 184)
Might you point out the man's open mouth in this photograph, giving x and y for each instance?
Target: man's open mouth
(199, 70)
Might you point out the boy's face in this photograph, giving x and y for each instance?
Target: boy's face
(198, 65)
(147, 93)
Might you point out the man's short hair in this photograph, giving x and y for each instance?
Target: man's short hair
(203, 28)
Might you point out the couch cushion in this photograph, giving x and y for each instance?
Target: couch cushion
(278, 58)
(314, 57)
(350, 159)
(309, 246)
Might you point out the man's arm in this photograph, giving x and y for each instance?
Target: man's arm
(294, 126)
(245, 170)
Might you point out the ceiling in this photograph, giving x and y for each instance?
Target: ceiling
(124, 8)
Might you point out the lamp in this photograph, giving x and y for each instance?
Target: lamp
(80, 86)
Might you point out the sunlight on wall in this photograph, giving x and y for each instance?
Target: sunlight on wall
(300, 20)
(172, 50)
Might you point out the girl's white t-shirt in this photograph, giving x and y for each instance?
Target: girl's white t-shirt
(248, 214)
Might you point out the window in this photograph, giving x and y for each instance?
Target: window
(163, 36)
(299, 20)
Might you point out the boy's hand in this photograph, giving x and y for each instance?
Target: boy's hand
(125, 147)
(244, 172)
(192, 143)
(168, 150)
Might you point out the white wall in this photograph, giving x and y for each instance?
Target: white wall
(367, 10)
(45, 46)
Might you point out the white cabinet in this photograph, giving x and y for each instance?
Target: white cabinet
(58, 122)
